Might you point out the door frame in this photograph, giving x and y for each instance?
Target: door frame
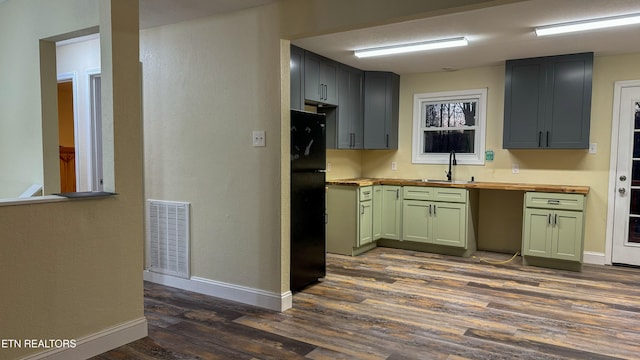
(613, 164)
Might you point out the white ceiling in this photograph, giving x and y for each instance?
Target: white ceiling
(495, 34)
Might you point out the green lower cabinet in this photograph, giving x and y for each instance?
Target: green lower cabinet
(553, 229)
(349, 219)
(433, 222)
(555, 234)
(391, 212)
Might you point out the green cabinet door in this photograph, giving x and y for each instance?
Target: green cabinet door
(391, 213)
(449, 224)
(365, 233)
(416, 224)
(377, 212)
(536, 240)
(555, 234)
(567, 235)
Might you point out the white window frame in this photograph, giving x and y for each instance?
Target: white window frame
(419, 103)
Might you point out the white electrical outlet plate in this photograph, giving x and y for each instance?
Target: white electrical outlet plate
(328, 166)
(259, 138)
(394, 166)
(593, 148)
(515, 168)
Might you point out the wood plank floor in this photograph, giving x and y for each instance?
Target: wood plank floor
(396, 304)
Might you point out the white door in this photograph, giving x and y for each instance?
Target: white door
(626, 217)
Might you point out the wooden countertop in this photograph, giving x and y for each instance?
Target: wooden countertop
(571, 189)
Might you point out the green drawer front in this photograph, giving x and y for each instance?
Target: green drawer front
(366, 193)
(450, 195)
(554, 201)
(418, 193)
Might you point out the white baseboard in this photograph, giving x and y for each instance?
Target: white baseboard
(241, 294)
(594, 258)
(98, 343)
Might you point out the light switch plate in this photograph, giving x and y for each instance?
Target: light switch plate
(259, 138)
(515, 168)
(593, 148)
(394, 166)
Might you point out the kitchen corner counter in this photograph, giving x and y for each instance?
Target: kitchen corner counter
(569, 189)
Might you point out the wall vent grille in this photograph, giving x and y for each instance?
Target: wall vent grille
(167, 249)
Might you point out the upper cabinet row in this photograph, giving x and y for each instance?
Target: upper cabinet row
(361, 106)
(548, 102)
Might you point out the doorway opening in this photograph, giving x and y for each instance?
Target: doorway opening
(79, 114)
(66, 135)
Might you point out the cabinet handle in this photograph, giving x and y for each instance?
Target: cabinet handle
(387, 140)
(325, 92)
(549, 219)
(397, 194)
(429, 210)
(366, 192)
(361, 209)
(555, 220)
(539, 138)
(434, 210)
(553, 202)
(547, 139)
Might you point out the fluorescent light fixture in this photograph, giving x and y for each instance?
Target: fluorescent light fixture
(405, 48)
(588, 24)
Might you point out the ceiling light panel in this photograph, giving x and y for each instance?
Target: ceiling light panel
(412, 47)
(593, 24)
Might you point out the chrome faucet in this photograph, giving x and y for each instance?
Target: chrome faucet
(454, 163)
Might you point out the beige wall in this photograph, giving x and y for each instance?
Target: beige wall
(574, 167)
(203, 97)
(72, 268)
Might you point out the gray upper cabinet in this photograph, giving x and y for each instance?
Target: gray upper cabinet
(297, 78)
(381, 105)
(320, 79)
(548, 102)
(350, 108)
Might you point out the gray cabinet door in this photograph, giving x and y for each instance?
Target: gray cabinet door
(523, 105)
(568, 121)
(297, 78)
(320, 79)
(312, 82)
(350, 116)
(381, 105)
(548, 102)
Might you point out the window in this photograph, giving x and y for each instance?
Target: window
(445, 121)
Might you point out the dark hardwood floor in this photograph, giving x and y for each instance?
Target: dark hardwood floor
(397, 304)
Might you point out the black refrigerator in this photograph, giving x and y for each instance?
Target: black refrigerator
(308, 159)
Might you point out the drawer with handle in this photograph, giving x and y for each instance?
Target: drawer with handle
(554, 201)
(366, 193)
